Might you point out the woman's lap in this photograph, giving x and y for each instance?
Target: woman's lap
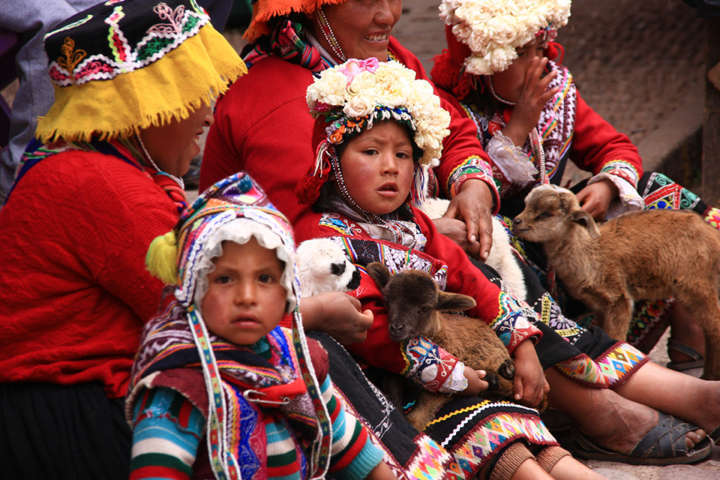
(58, 431)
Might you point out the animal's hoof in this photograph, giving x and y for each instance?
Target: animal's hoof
(507, 369)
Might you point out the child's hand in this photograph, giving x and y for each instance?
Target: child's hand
(530, 383)
(476, 384)
(534, 96)
(337, 314)
(596, 197)
(381, 472)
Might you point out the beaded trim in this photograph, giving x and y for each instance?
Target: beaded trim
(329, 35)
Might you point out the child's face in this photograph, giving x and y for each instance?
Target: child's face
(245, 299)
(378, 167)
(509, 83)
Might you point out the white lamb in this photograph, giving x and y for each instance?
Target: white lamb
(324, 267)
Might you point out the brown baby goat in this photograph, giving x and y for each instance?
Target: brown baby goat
(414, 304)
(647, 255)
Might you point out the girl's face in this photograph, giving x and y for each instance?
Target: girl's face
(378, 168)
(245, 299)
(174, 145)
(509, 83)
(362, 27)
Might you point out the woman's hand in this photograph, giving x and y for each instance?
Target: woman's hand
(530, 383)
(473, 204)
(595, 198)
(533, 97)
(337, 314)
(476, 384)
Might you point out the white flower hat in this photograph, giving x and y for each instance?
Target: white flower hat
(494, 29)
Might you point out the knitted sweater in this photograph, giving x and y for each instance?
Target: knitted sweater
(262, 126)
(168, 418)
(74, 292)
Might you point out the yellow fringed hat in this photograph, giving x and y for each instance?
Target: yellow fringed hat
(122, 66)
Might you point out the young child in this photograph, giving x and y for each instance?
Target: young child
(532, 121)
(217, 387)
(377, 131)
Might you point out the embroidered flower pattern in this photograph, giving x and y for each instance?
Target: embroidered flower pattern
(71, 57)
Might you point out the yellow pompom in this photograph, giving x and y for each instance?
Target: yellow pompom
(161, 258)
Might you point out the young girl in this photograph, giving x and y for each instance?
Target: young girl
(532, 122)
(377, 131)
(217, 387)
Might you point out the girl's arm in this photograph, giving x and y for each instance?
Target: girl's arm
(167, 430)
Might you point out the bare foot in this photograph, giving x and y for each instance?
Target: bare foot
(610, 420)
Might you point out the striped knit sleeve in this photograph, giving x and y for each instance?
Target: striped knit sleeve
(167, 430)
(354, 455)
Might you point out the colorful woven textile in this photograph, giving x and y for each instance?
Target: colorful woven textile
(126, 65)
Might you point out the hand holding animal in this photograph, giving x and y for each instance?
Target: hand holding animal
(417, 307)
(629, 258)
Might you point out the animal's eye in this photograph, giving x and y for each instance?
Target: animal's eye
(337, 268)
(425, 309)
(543, 215)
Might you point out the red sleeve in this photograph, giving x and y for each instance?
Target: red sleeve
(463, 156)
(378, 349)
(596, 143)
(263, 126)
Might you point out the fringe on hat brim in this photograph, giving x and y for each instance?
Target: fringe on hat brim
(171, 88)
(264, 10)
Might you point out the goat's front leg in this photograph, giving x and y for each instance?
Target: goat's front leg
(615, 317)
(426, 406)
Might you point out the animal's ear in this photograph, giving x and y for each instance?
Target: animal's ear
(379, 273)
(581, 217)
(454, 302)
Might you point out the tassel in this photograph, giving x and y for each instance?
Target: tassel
(161, 258)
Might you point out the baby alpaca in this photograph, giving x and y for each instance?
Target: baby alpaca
(629, 258)
(414, 305)
(501, 256)
(324, 267)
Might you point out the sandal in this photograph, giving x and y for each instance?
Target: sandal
(664, 444)
(696, 360)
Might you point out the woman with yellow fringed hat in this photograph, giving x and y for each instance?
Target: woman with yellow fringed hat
(134, 83)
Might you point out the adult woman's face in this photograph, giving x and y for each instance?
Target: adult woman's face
(174, 145)
(362, 27)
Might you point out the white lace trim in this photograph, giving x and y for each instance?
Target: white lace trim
(512, 161)
(240, 231)
(628, 198)
(456, 381)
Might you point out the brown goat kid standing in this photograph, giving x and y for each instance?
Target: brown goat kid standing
(414, 305)
(648, 255)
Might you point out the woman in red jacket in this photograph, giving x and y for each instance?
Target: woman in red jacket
(262, 125)
(134, 82)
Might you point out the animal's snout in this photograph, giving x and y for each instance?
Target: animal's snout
(507, 369)
(354, 281)
(337, 268)
(396, 331)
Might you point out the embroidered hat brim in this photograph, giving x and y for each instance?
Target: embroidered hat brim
(125, 81)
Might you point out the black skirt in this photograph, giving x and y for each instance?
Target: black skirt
(62, 432)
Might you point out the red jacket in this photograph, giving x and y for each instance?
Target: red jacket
(74, 292)
(262, 126)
